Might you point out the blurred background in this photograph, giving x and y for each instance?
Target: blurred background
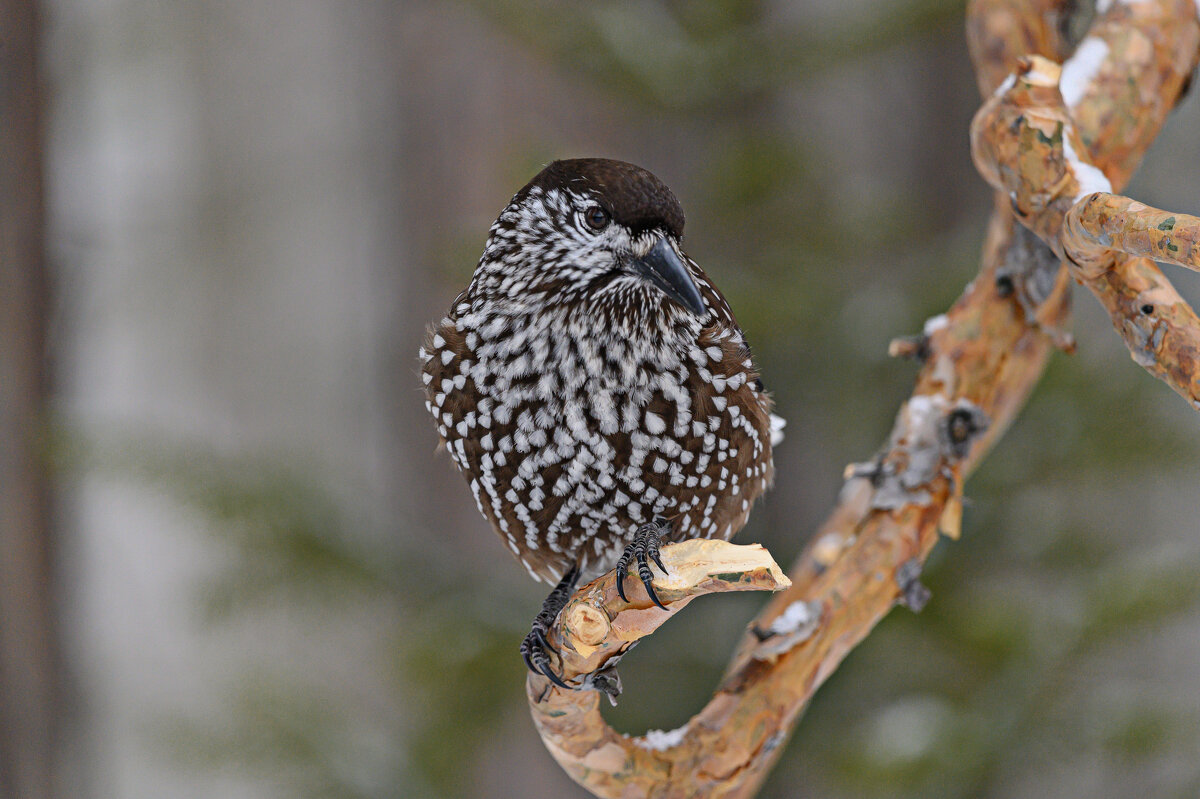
(252, 576)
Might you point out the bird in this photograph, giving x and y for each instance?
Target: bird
(594, 388)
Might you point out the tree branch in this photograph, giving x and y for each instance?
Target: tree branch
(980, 361)
(1032, 140)
(597, 627)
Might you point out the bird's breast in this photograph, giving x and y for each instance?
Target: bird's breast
(569, 439)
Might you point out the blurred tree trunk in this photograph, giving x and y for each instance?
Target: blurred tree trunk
(29, 695)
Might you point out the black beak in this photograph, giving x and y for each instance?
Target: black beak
(662, 267)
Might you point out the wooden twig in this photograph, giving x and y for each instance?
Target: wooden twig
(980, 361)
(597, 627)
(1101, 225)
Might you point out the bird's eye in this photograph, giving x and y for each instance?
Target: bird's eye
(596, 217)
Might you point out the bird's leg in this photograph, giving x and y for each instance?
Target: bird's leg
(643, 549)
(535, 648)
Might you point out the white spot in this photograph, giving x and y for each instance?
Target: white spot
(447, 357)
(715, 352)
(438, 341)
(1037, 77)
(777, 425)
(719, 403)
(1091, 179)
(796, 616)
(654, 423)
(922, 408)
(427, 377)
(935, 323)
(1008, 83)
(1080, 69)
(661, 740)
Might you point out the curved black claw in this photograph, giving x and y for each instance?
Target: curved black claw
(538, 661)
(535, 648)
(643, 549)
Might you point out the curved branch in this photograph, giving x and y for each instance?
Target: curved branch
(980, 361)
(597, 627)
(1026, 141)
(1101, 225)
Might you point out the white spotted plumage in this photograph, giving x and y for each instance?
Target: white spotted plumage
(580, 401)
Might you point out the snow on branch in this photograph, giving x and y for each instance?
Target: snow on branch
(1026, 142)
(979, 362)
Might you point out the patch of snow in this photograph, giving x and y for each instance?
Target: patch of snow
(661, 740)
(923, 409)
(1091, 179)
(797, 615)
(935, 323)
(1079, 70)
(1011, 81)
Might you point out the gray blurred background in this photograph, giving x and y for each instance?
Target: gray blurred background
(266, 583)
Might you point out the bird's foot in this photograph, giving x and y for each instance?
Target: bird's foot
(536, 649)
(643, 550)
(605, 681)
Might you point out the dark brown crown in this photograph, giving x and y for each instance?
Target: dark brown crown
(633, 196)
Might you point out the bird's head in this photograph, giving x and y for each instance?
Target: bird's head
(595, 234)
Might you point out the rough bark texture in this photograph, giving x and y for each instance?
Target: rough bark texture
(1104, 224)
(1044, 140)
(980, 361)
(29, 700)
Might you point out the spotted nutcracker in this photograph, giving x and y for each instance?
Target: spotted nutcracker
(593, 387)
